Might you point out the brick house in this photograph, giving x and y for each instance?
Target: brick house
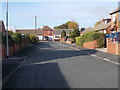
(47, 33)
(2, 27)
(2, 46)
(38, 32)
(104, 26)
(115, 20)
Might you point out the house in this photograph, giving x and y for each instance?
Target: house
(87, 30)
(40, 33)
(115, 20)
(2, 27)
(104, 26)
(47, 33)
(57, 33)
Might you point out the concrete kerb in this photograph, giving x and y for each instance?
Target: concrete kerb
(105, 59)
(11, 74)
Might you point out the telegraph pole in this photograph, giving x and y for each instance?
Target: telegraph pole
(35, 25)
(7, 29)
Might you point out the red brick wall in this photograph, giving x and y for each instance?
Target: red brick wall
(113, 48)
(47, 33)
(62, 39)
(17, 47)
(90, 45)
(2, 51)
(11, 50)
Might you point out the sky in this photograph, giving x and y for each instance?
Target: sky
(54, 12)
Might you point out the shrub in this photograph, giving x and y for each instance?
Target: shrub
(100, 39)
(33, 38)
(89, 37)
(10, 40)
(63, 34)
(16, 37)
(80, 40)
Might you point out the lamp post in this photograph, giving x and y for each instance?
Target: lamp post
(35, 25)
(7, 28)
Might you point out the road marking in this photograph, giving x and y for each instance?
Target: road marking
(105, 59)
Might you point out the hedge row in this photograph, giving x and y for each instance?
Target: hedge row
(18, 38)
(89, 37)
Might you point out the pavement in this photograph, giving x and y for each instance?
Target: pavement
(11, 64)
(97, 53)
(58, 65)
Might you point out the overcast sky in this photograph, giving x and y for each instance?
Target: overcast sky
(54, 12)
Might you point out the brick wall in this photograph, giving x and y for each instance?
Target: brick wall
(90, 45)
(113, 48)
(62, 39)
(2, 51)
(11, 49)
(47, 33)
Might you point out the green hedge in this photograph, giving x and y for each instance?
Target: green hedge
(100, 37)
(89, 37)
(16, 37)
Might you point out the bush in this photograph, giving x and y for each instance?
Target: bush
(100, 37)
(16, 38)
(80, 40)
(89, 37)
(10, 40)
(63, 34)
(33, 38)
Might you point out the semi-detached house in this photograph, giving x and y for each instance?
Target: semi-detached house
(45, 32)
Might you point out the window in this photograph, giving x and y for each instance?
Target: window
(113, 18)
(56, 36)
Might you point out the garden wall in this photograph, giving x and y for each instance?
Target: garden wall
(113, 48)
(12, 49)
(90, 45)
(62, 39)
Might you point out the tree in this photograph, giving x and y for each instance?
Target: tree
(16, 37)
(33, 38)
(68, 25)
(72, 25)
(10, 32)
(63, 26)
(82, 29)
(76, 32)
(63, 34)
(97, 23)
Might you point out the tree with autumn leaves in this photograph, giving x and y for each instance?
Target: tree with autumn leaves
(68, 25)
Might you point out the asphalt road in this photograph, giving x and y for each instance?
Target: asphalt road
(54, 65)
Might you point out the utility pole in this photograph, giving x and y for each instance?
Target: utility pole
(35, 25)
(7, 29)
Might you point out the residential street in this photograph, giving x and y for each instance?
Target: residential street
(54, 65)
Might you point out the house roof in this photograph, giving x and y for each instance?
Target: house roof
(59, 31)
(46, 28)
(2, 27)
(115, 11)
(88, 30)
(102, 26)
(30, 31)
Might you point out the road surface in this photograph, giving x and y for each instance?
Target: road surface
(54, 65)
